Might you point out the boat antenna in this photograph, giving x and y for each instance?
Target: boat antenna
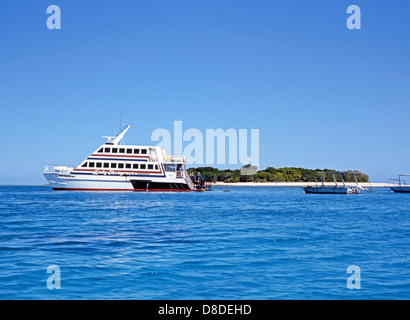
(120, 119)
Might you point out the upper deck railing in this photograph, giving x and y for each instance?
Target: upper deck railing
(174, 159)
(56, 168)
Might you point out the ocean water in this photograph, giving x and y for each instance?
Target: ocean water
(249, 243)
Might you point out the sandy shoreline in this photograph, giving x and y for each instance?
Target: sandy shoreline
(296, 184)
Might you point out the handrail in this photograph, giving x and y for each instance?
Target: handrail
(56, 168)
(399, 182)
(341, 176)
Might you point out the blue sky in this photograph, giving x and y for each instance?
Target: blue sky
(320, 94)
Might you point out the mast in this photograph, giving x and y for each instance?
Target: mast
(118, 138)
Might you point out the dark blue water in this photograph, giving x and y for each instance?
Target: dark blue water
(250, 243)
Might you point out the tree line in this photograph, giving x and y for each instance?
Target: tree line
(271, 174)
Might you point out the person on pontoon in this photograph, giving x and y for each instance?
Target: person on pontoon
(200, 180)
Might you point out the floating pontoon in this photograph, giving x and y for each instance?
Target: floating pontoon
(339, 187)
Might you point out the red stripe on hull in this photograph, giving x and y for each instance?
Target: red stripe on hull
(118, 156)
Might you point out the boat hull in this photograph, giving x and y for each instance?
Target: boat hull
(400, 189)
(74, 182)
(331, 190)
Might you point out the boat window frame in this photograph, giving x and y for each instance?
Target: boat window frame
(170, 167)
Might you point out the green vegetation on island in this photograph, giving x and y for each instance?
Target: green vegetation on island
(271, 174)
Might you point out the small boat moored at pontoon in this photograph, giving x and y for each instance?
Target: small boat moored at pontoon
(338, 188)
(399, 185)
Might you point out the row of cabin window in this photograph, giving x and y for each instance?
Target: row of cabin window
(122, 150)
(114, 165)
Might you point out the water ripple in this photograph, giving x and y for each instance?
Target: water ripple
(249, 243)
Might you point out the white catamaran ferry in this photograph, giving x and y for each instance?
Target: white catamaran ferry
(117, 167)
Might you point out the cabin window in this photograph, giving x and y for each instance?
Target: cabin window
(99, 165)
(129, 150)
(142, 166)
(100, 151)
(122, 150)
(143, 151)
(137, 151)
(120, 166)
(156, 167)
(150, 166)
(106, 165)
(128, 166)
(114, 150)
(107, 150)
(91, 165)
(135, 166)
(113, 165)
(169, 167)
(84, 165)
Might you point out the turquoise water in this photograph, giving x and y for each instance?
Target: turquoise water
(249, 243)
